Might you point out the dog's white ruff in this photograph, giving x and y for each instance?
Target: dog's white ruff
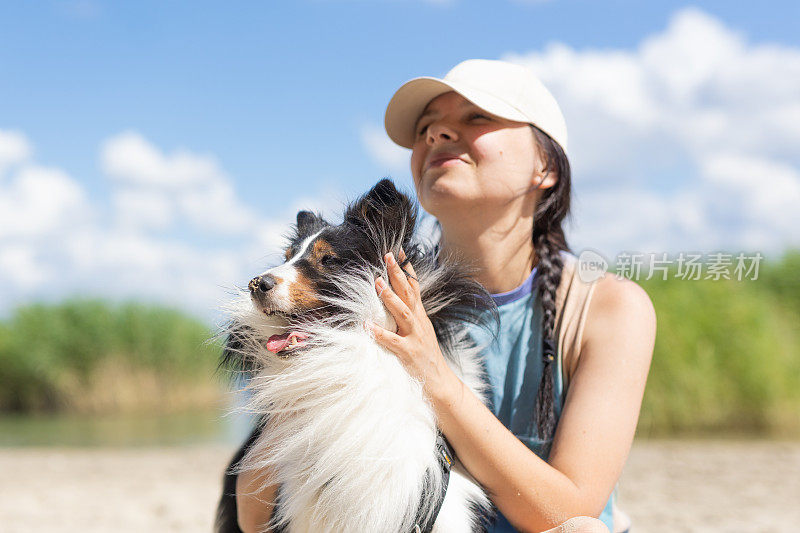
(350, 435)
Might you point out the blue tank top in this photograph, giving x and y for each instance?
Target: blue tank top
(513, 364)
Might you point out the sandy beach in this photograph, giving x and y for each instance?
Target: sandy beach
(709, 486)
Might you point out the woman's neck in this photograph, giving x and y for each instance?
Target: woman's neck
(502, 252)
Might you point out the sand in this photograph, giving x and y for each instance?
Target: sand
(713, 486)
(667, 486)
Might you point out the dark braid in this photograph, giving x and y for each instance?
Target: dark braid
(548, 242)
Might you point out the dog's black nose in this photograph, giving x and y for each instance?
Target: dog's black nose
(262, 283)
(266, 283)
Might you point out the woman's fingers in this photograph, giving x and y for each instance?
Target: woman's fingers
(396, 306)
(401, 294)
(400, 282)
(413, 280)
(385, 338)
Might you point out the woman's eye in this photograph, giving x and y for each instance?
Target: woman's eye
(422, 130)
(474, 116)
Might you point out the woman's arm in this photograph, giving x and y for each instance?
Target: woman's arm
(597, 424)
(254, 503)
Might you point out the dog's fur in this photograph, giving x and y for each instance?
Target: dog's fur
(346, 432)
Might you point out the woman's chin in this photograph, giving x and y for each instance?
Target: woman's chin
(438, 200)
(444, 181)
(445, 187)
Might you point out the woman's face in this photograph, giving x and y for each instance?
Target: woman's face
(464, 157)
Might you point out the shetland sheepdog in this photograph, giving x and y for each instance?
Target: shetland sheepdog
(346, 433)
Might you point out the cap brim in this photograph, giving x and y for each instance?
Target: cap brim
(412, 97)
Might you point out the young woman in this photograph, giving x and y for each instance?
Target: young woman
(488, 160)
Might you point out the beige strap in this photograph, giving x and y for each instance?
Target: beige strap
(572, 306)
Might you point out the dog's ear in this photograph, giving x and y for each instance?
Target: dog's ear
(385, 209)
(385, 193)
(308, 223)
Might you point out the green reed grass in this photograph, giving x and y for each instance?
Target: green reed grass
(94, 356)
(727, 355)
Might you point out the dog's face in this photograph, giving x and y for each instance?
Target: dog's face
(378, 222)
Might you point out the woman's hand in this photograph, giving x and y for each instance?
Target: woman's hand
(415, 342)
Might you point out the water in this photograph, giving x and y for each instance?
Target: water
(203, 427)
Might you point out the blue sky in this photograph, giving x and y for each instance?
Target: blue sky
(265, 107)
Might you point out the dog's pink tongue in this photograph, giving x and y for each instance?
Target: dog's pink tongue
(276, 343)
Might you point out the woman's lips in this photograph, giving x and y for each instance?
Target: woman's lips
(445, 161)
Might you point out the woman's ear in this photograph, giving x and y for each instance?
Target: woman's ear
(544, 179)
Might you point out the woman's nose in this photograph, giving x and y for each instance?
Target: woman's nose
(440, 131)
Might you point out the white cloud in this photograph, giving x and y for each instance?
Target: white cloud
(14, 149)
(216, 208)
(18, 262)
(38, 201)
(145, 209)
(383, 150)
(767, 192)
(133, 160)
(157, 236)
(156, 189)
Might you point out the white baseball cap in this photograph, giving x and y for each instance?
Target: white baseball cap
(502, 89)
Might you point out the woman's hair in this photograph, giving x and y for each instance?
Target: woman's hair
(548, 242)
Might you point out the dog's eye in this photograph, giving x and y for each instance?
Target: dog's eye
(328, 260)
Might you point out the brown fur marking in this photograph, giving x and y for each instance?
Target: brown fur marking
(302, 293)
(321, 248)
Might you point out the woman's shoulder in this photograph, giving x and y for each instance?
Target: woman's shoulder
(619, 306)
(614, 294)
